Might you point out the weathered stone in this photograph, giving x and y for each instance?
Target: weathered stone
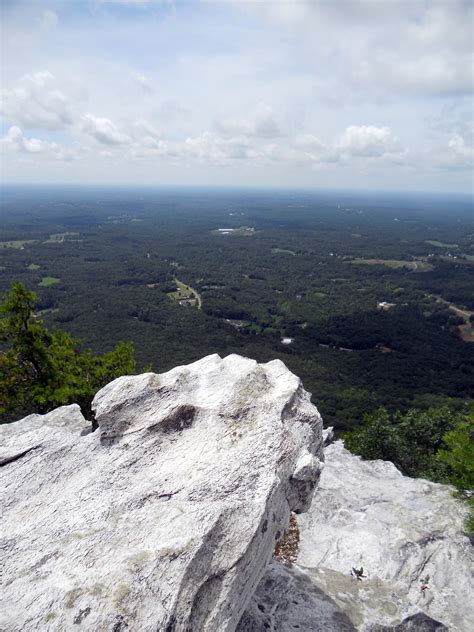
(367, 514)
(166, 517)
(286, 600)
(419, 622)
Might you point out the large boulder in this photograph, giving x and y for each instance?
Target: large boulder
(399, 530)
(164, 518)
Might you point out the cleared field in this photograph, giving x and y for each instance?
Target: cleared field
(466, 330)
(49, 280)
(17, 243)
(440, 244)
(283, 251)
(463, 260)
(57, 238)
(33, 266)
(421, 266)
(245, 231)
(185, 294)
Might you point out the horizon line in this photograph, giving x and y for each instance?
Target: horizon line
(236, 187)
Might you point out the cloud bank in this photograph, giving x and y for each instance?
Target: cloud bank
(353, 93)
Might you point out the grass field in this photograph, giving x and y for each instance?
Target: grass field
(440, 244)
(18, 243)
(33, 266)
(421, 266)
(466, 260)
(57, 238)
(48, 280)
(283, 251)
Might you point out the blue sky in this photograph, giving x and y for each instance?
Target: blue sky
(341, 93)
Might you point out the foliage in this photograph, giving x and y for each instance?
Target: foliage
(41, 369)
(458, 455)
(413, 441)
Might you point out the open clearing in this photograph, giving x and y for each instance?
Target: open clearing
(185, 295)
(245, 231)
(440, 244)
(420, 266)
(17, 243)
(283, 251)
(33, 266)
(466, 330)
(49, 280)
(58, 238)
(463, 260)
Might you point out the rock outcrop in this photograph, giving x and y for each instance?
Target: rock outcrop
(286, 601)
(367, 514)
(165, 518)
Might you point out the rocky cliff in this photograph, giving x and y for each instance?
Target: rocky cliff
(166, 517)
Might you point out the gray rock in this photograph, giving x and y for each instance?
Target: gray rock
(419, 622)
(286, 600)
(166, 517)
(367, 514)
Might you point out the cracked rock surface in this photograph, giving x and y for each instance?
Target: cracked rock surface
(287, 601)
(399, 529)
(164, 518)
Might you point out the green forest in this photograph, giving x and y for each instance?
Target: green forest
(371, 296)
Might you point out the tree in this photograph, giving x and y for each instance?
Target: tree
(40, 370)
(458, 455)
(411, 440)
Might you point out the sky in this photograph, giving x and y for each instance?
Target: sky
(369, 94)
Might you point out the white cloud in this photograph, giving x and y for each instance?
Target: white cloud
(37, 102)
(210, 147)
(274, 89)
(380, 47)
(16, 142)
(367, 141)
(103, 130)
(315, 150)
(261, 122)
(457, 155)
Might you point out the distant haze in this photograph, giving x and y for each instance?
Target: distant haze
(342, 93)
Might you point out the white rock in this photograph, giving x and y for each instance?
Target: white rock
(399, 530)
(166, 517)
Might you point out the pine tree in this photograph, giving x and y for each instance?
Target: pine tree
(41, 369)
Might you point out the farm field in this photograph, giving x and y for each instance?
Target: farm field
(440, 244)
(16, 243)
(392, 263)
(49, 280)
